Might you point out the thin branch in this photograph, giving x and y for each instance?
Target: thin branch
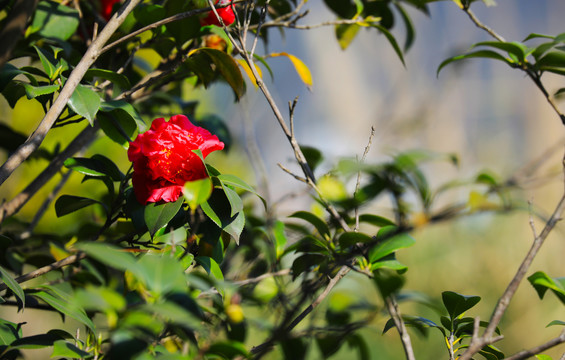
(392, 308)
(43, 208)
(502, 304)
(480, 25)
(358, 183)
(536, 77)
(13, 206)
(92, 53)
(262, 277)
(259, 349)
(299, 178)
(165, 21)
(44, 270)
(525, 354)
(291, 24)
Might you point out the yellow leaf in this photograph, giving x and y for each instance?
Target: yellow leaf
(58, 252)
(299, 66)
(248, 71)
(478, 201)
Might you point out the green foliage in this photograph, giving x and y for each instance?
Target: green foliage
(164, 279)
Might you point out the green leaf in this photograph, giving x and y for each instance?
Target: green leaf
(97, 165)
(555, 58)
(35, 91)
(456, 304)
(512, 48)
(279, 237)
(161, 273)
(485, 54)
(67, 308)
(391, 40)
(229, 350)
(345, 33)
(543, 357)
(67, 204)
(12, 285)
(389, 262)
(40, 341)
(318, 223)
(63, 348)
(234, 181)
(7, 73)
(313, 156)
(536, 36)
(9, 332)
(542, 282)
(556, 322)
(158, 216)
(388, 243)
(109, 254)
(351, 238)
(85, 102)
(197, 192)
(48, 62)
(410, 32)
(54, 21)
(99, 299)
(229, 69)
(236, 226)
(375, 220)
(117, 79)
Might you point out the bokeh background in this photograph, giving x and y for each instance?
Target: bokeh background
(492, 117)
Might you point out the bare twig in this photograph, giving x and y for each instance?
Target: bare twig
(262, 277)
(92, 53)
(43, 208)
(333, 282)
(358, 183)
(44, 270)
(13, 206)
(480, 25)
(487, 338)
(392, 308)
(525, 354)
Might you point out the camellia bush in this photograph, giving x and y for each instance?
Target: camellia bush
(181, 259)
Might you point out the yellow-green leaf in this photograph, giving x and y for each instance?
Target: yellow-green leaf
(248, 71)
(299, 66)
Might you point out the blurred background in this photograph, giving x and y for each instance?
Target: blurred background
(492, 117)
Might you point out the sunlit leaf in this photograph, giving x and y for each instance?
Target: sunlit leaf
(63, 348)
(197, 192)
(67, 308)
(299, 66)
(85, 102)
(12, 285)
(158, 215)
(542, 282)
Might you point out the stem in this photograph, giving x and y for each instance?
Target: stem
(44, 270)
(392, 308)
(525, 354)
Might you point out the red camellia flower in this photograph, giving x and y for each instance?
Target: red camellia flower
(107, 7)
(227, 15)
(163, 160)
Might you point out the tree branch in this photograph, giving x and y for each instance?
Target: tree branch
(92, 53)
(477, 343)
(44, 270)
(13, 206)
(525, 354)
